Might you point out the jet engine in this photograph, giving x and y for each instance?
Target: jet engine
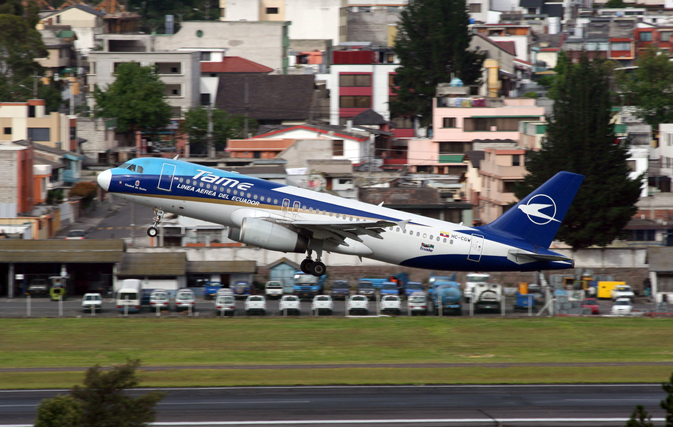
(268, 235)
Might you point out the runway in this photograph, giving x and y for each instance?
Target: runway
(470, 405)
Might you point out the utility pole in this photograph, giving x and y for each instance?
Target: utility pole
(209, 136)
(245, 105)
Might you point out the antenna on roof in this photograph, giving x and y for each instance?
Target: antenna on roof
(176, 157)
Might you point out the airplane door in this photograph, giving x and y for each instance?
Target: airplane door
(295, 208)
(285, 208)
(476, 247)
(166, 178)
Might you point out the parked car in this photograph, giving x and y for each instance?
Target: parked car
(38, 288)
(225, 305)
(389, 288)
(75, 235)
(367, 289)
(418, 303)
(357, 304)
(255, 304)
(210, 289)
(159, 299)
(92, 302)
(323, 304)
(242, 289)
(273, 289)
(622, 306)
(185, 299)
(622, 291)
(591, 303)
(224, 291)
(341, 289)
(289, 304)
(391, 304)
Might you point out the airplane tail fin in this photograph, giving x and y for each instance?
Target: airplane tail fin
(538, 216)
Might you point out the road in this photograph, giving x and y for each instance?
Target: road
(123, 223)
(463, 405)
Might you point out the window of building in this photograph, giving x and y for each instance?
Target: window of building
(31, 111)
(475, 8)
(73, 132)
(364, 9)
(39, 134)
(497, 123)
(8, 131)
(393, 80)
(631, 164)
(355, 80)
(92, 68)
(403, 122)
(272, 11)
(205, 99)
(508, 186)
(338, 147)
(205, 56)
(454, 147)
(641, 236)
(516, 159)
(449, 122)
(355, 102)
(645, 36)
(665, 36)
(620, 46)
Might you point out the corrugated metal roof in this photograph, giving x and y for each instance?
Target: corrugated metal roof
(153, 264)
(221, 266)
(62, 251)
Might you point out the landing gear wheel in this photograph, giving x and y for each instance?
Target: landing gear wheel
(152, 231)
(306, 265)
(318, 269)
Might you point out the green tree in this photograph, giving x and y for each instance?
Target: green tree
(640, 417)
(101, 402)
(615, 4)
(19, 45)
(225, 127)
(581, 139)
(59, 411)
(135, 98)
(650, 87)
(432, 44)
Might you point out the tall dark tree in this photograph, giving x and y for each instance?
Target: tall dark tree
(432, 45)
(581, 139)
(136, 98)
(650, 87)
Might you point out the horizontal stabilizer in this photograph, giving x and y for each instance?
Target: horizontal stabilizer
(527, 257)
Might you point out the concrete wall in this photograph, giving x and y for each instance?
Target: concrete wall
(298, 154)
(98, 138)
(371, 26)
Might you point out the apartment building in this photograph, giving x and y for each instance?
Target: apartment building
(28, 120)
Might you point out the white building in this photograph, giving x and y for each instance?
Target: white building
(85, 21)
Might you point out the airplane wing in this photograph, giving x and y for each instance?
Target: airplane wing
(526, 257)
(338, 231)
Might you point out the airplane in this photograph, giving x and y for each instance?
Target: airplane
(290, 219)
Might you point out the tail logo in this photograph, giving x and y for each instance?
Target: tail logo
(535, 205)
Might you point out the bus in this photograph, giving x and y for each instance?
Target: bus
(129, 296)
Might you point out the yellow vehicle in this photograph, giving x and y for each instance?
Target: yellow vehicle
(605, 288)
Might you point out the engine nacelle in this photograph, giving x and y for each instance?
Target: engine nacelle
(269, 235)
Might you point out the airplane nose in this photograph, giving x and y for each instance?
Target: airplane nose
(104, 179)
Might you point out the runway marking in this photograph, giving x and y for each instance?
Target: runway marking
(236, 402)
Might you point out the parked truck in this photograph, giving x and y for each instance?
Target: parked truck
(447, 297)
(308, 285)
(484, 294)
(605, 288)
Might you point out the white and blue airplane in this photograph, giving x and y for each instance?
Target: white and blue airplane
(289, 219)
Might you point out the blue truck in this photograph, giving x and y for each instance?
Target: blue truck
(375, 282)
(389, 288)
(242, 289)
(210, 289)
(447, 295)
(308, 285)
(412, 287)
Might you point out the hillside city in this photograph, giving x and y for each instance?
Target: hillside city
(315, 102)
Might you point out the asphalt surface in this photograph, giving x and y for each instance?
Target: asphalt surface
(469, 405)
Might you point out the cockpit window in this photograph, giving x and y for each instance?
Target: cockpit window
(131, 167)
(140, 169)
(124, 165)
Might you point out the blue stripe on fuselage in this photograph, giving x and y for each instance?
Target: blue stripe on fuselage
(486, 263)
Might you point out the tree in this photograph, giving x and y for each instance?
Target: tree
(580, 138)
(19, 45)
(136, 99)
(650, 87)
(102, 401)
(432, 45)
(640, 417)
(225, 127)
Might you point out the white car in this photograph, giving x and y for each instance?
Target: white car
(160, 299)
(622, 306)
(391, 304)
(289, 304)
(255, 304)
(225, 305)
(92, 302)
(185, 300)
(323, 304)
(224, 291)
(418, 303)
(357, 304)
(273, 289)
(622, 291)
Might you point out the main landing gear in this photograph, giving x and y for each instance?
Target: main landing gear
(158, 216)
(316, 268)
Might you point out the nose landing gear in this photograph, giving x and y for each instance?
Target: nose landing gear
(158, 216)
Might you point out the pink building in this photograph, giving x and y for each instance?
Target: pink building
(499, 171)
